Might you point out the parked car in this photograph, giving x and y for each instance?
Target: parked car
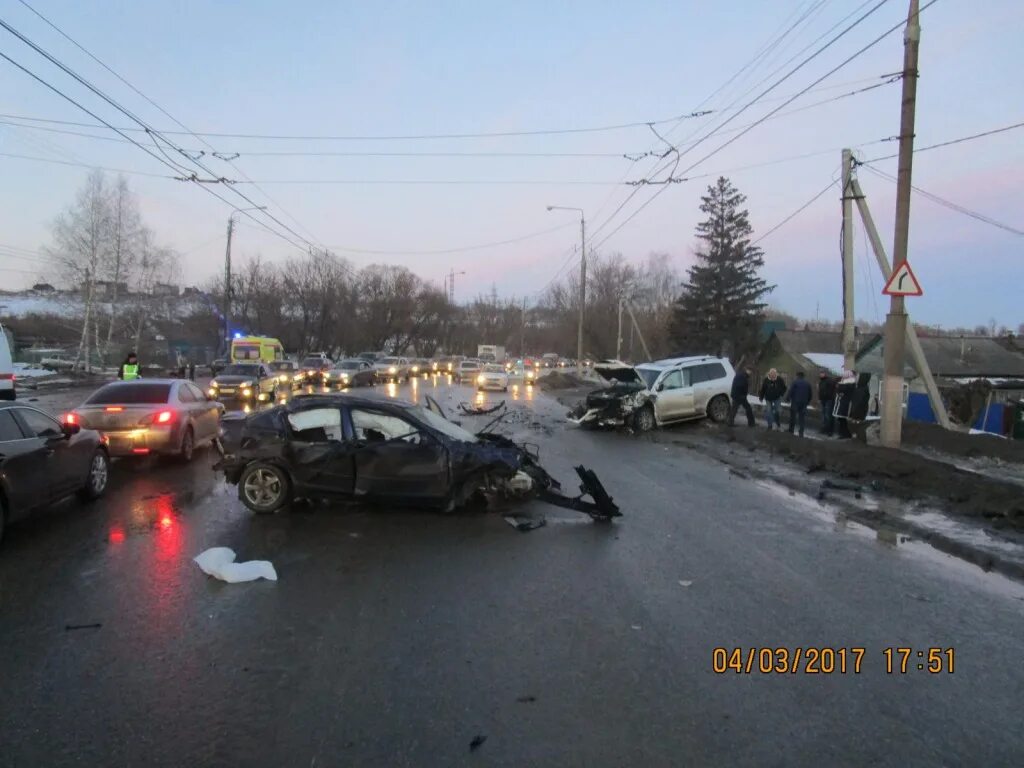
(6, 368)
(244, 384)
(43, 461)
(151, 416)
(467, 371)
(350, 373)
(285, 371)
(492, 377)
(659, 393)
(419, 366)
(377, 449)
(391, 369)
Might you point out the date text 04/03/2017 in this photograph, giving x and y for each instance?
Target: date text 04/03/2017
(816, 660)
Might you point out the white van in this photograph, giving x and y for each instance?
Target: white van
(6, 368)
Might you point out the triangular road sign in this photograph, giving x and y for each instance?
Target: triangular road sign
(902, 282)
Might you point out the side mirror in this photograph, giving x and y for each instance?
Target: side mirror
(660, 386)
(70, 429)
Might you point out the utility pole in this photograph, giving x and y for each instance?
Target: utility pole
(896, 321)
(849, 350)
(583, 280)
(227, 288)
(522, 332)
(451, 285)
(618, 335)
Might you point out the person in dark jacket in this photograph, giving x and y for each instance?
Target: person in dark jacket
(859, 401)
(773, 388)
(740, 390)
(129, 370)
(827, 400)
(799, 397)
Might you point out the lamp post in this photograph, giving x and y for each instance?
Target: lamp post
(227, 276)
(583, 280)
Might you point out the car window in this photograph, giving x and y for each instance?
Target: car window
(377, 427)
(674, 380)
(715, 371)
(9, 429)
(39, 423)
(240, 370)
(698, 373)
(131, 393)
(185, 395)
(316, 425)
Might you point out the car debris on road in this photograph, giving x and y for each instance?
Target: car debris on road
(219, 562)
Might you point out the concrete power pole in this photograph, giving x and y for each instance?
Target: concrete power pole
(618, 335)
(583, 292)
(227, 289)
(896, 321)
(522, 332)
(849, 348)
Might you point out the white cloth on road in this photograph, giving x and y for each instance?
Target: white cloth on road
(219, 562)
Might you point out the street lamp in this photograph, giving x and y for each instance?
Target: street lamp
(583, 280)
(227, 276)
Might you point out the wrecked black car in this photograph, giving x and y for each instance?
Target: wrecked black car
(374, 449)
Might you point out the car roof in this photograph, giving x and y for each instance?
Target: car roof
(674, 362)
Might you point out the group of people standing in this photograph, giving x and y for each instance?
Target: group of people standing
(843, 401)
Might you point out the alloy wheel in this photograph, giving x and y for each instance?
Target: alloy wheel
(263, 488)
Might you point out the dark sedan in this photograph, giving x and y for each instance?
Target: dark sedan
(43, 461)
(379, 449)
(350, 373)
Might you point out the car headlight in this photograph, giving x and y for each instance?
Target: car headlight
(212, 391)
(530, 374)
(344, 377)
(481, 379)
(392, 369)
(247, 392)
(327, 374)
(415, 369)
(283, 377)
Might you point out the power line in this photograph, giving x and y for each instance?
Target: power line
(948, 143)
(88, 165)
(951, 205)
(795, 213)
(161, 109)
(460, 249)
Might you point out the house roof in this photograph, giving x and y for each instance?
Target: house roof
(965, 356)
(822, 342)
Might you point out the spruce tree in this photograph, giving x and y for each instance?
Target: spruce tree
(721, 306)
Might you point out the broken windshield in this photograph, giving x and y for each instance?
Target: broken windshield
(649, 375)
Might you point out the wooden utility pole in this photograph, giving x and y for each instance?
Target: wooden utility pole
(896, 321)
(618, 335)
(583, 292)
(849, 342)
(227, 289)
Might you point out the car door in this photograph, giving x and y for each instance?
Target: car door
(708, 381)
(205, 413)
(24, 464)
(396, 458)
(319, 456)
(674, 396)
(65, 460)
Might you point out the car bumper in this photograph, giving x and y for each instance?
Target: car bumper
(142, 441)
(492, 385)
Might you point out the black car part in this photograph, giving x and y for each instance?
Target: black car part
(479, 410)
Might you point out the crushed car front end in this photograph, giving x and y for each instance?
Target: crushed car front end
(612, 406)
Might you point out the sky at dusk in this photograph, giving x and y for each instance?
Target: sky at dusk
(385, 69)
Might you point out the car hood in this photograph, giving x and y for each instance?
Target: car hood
(618, 371)
(234, 380)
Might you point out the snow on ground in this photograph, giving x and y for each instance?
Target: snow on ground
(26, 371)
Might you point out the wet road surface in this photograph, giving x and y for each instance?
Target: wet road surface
(395, 637)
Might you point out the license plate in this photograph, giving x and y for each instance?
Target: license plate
(227, 391)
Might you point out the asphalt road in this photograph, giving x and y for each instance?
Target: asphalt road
(396, 638)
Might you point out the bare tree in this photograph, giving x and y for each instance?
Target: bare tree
(120, 258)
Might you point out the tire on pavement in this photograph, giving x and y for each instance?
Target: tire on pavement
(188, 445)
(718, 409)
(98, 477)
(643, 419)
(264, 487)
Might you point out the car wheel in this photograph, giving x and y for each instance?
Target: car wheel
(264, 488)
(718, 409)
(643, 420)
(98, 477)
(188, 445)
(8, 394)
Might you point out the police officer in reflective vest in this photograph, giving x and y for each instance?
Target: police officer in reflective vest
(129, 369)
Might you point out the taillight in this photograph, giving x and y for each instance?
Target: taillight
(114, 408)
(70, 418)
(160, 417)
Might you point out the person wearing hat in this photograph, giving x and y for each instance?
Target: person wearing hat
(129, 370)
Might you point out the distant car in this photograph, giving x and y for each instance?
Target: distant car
(419, 366)
(391, 369)
(492, 377)
(150, 416)
(43, 461)
(370, 357)
(312, 369)
(467, 370)
(285, 370)
(246, 384)
(6, 369)
(350, 373)
(658, 393)
(521, 371)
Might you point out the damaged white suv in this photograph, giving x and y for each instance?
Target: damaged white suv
(658, 393)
